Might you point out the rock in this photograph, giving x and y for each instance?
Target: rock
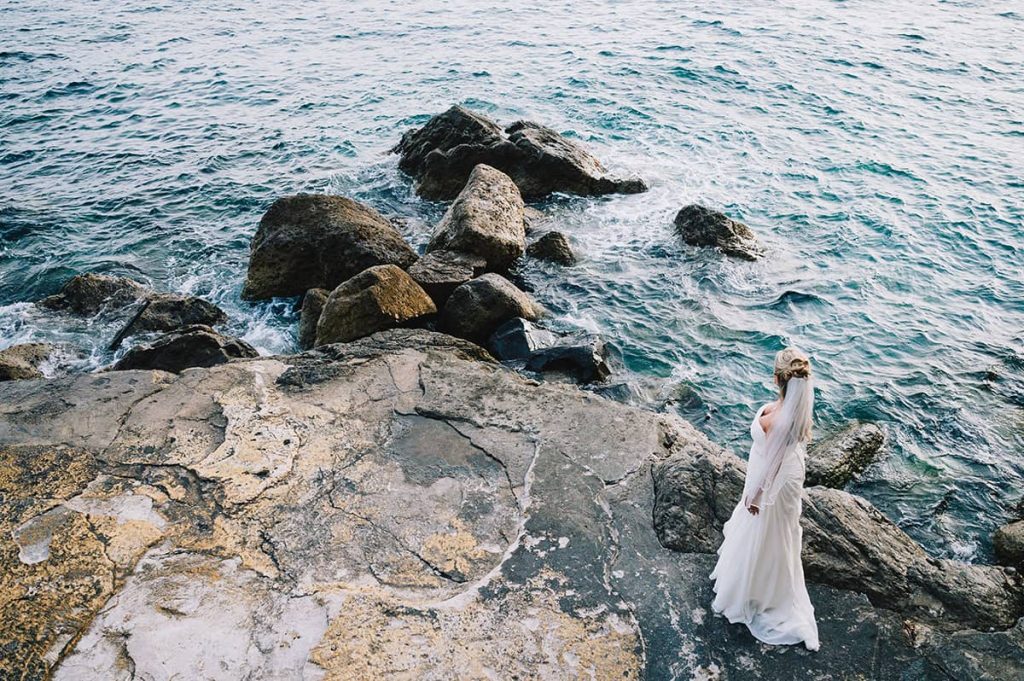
(847, 544)
(191, 346)
(377, 298)
(583, 359)
(475, 309)
(1008, 542)
(22, 361)
(838, 459)
(318, 241)
(486, 220)
(169, 311)
(442, 153)
(700, 226)
(87, 294)
(312, 306)
(553, 247)
(533, 219)
(441, 272)
(518, 338)
(387, 508)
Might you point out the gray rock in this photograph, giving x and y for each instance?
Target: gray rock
(486, 220)
(442, 153)
(1008, 542)
(312, 306)
(584, 359)
(838, 459)
(553, 247)
(476, 309)
(518, 339)
(318, 241)
(169, 311)
(533, 219)
(20, 362)
(88, 294)
(441, 272)
(377, 298)
(700, 226)
(191, 346)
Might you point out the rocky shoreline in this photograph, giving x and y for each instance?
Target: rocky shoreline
(398, 502)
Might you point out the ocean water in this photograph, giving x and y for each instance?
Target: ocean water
(876, 149)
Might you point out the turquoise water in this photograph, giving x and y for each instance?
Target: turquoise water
(876, 149)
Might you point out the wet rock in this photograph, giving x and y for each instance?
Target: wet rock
(191, 346)
(441, 272)
(1008, 542)
(700, 226)
(312, 306)
(486, 220)
(318, 241)
(584, 359)
(838, 459)
(22, 361)
(533, 219)
(88, 294)
(169, 311)
(442, 153)
(476, 309)
(377, 298)
(518, 339)
(553, 247)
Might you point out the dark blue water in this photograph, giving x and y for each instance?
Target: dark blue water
(876, 150)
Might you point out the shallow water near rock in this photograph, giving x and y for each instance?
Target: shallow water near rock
(875, 152)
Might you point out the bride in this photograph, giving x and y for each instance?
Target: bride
(759, 576)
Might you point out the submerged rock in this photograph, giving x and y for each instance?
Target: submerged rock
(485, 220)
(318, 241)
(169, 311)
(476, 309)
(191, 346)
(838, 459)
(441, 272)
(387, 508)
(553, 247)
(312, 307)
(1008, 542)
(20, 362)
(88, 294)
(377, 298)
(700, 226)
(442, 153)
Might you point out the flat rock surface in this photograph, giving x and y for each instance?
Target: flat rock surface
(399, 507)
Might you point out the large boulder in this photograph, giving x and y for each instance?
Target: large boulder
(1008, 542)
(441, 272)
(312, 307)
(476, 309)
(191, 346)
(169, 311)
(88, 294)
(22, 361)
(377, 298)
(442, 153)
(700, 226)
(836, 460)
(486, 220)
(553, 247)
(318, 241)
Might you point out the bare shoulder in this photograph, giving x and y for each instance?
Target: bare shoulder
(769, 408)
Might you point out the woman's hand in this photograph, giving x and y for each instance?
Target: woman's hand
(753, 509)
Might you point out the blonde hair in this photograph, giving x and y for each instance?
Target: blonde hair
(791, 363)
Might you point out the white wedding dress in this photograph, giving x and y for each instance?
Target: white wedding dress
(759, 575)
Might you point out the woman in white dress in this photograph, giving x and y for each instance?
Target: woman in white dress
(759, 578)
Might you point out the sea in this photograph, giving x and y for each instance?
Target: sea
(876, 149)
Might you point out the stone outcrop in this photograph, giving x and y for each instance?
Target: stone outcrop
(442, 153)
(441, 272)
(485, 220)
(388, 508)
(553, 247)
(191, 346)
(1008, 543)
(309, 316)
(839, 458)
(318, 241)
(19, 362)
(700, 226)
(581, 357)
(377, 298)
(477, 308)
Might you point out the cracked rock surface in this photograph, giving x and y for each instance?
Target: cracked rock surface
(400, 507)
